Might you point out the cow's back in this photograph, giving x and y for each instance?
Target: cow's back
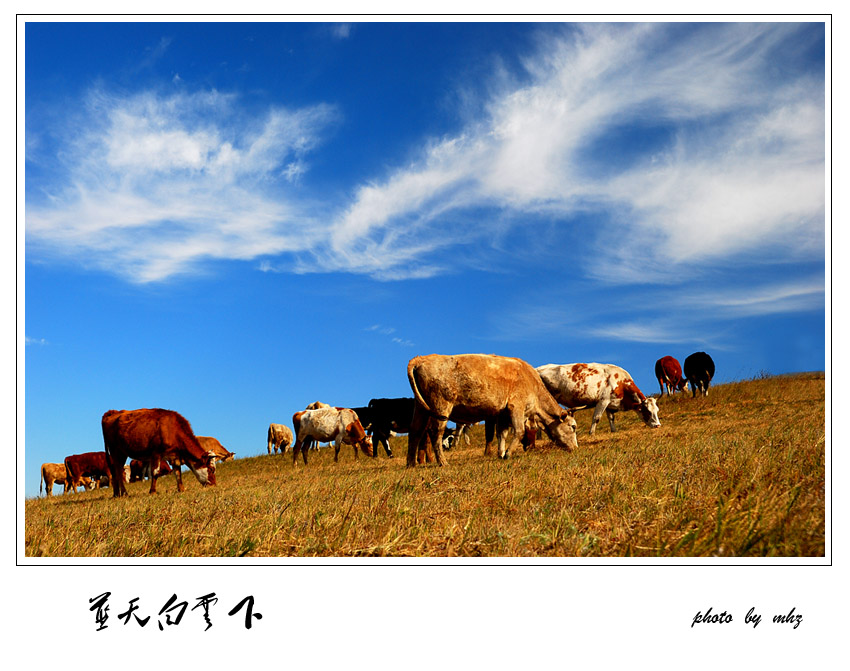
(280, 433)
(575, 384)
(699, 365)
(140, 433)
(322, 424)
(392, 414)
(473, 387)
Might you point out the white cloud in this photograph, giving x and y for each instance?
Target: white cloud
(746, 170)
(786, 297)
(160, 183)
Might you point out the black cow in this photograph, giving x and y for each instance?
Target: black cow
(699, 369)
(388, 416)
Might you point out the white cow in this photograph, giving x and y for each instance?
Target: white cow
(279, 437)
(603, 386)
(325, 425)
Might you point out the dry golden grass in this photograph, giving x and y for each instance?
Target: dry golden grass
(739, 473)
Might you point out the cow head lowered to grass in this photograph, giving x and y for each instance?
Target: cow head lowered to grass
(153, 435)
(469, 388)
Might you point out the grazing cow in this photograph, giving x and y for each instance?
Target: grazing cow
(699, 370)
(603, 386)
(91, 464)
(469, 388)
(54, 474)
(210, 444)
(390, 416)
(325, 425)
(279, 438)
(153, 435)
(668, 372)
(140, 470)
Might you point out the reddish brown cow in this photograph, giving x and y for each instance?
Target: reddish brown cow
(668, 372)
(469, 388)
(154, 435)
(92, 464)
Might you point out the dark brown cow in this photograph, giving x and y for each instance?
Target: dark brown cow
(91, 464)
(470, 388)
(668, 372)
(154, 435)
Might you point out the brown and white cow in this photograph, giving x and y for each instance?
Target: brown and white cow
(668, 372)
(469, 388)
(54, 474)
(602, 386)
(279, 437)
(211, 444)
(154, 434)
(88, 464)
(325, 425)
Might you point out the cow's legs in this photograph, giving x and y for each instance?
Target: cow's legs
(436, 435)
(152, 466)
(416, 435)
(178, 473)
(300, 446)
(597, 415)
(117, 472)
(506, 424)
(338, 446)
(611, 420)
(489, 434)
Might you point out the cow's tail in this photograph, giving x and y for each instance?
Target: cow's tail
(269, 438)
(411, 376)
(41, 481)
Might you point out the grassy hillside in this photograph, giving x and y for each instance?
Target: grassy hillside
(739, 473)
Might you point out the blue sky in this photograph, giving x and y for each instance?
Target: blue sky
(233, 220)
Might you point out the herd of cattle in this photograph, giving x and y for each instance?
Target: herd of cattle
(512, 398)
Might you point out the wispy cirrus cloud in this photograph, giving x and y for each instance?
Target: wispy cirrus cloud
(390, 331)
(657, 314)
(681, 141)
(741, 166)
